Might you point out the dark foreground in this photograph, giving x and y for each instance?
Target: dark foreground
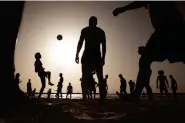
(78, 111)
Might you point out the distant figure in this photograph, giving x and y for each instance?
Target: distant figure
(123, 85)
(49, 93)
(94, 85)
(91, 59)
(174, 86)
(33, 93)
(59, 86)
(69, 90)
(132, 86)
(105, 86)
(41, 73)
(29, 88)
(163, 83)
(17, 79)
(165, 43)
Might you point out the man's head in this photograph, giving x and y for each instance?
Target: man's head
(17, 75)
(60, 74)
(29, 80)
(37, 55)
(161, 72)
(141, 50)
(69, 83)
(106, 76)
(93, 21)
(120, 76)
(171, 76)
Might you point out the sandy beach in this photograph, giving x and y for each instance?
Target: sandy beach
(115, 110)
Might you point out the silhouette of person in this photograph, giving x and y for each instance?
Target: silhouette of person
(17, 78)
(29, 88)
(165, 43)
(163, 83)
(33, 93)
(49, 93)
(91, 58)
(105, 86)
(59, 86)
(41, 73)
(69, 90)
(144, 94)
(132, 86)
(174, 86)
(123, 85)
(94, 85)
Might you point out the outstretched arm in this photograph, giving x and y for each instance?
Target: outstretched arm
(131, 6)
(103, 48)
(80, 43)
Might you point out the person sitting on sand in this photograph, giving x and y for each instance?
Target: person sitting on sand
(123, 85)
(132, 86)
(49, 93)
(163, 83)
(42, 73)
(174, 86)
(29, 88)
(69, 90)
(59, 86)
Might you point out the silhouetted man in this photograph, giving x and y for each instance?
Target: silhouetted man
(123, 85)
(132, 86)
(59, 86)
(69, 90)
(42, 73)
(174, 86)
(94, 85)
(29, 88)
(163, 83)
(91, 59)
(165, 43)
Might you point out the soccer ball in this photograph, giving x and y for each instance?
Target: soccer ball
(59, 37)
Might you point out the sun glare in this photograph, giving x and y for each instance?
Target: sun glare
(63, 52)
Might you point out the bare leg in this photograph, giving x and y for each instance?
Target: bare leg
(43, 81)
(48, 74)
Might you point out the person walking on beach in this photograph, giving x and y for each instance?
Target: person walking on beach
(174, 86)
(123, 85)
(29, 88)
(59, 86)
(69, 90)
(91, 59)
(163, 83)
(132, 86)
(42, 73)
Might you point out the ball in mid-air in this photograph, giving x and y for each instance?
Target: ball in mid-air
(59, 37)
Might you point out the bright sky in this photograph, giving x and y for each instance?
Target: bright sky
(43, 21)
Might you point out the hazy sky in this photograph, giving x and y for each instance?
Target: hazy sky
(43, 21)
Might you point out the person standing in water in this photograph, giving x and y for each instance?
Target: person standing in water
(59, 86)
